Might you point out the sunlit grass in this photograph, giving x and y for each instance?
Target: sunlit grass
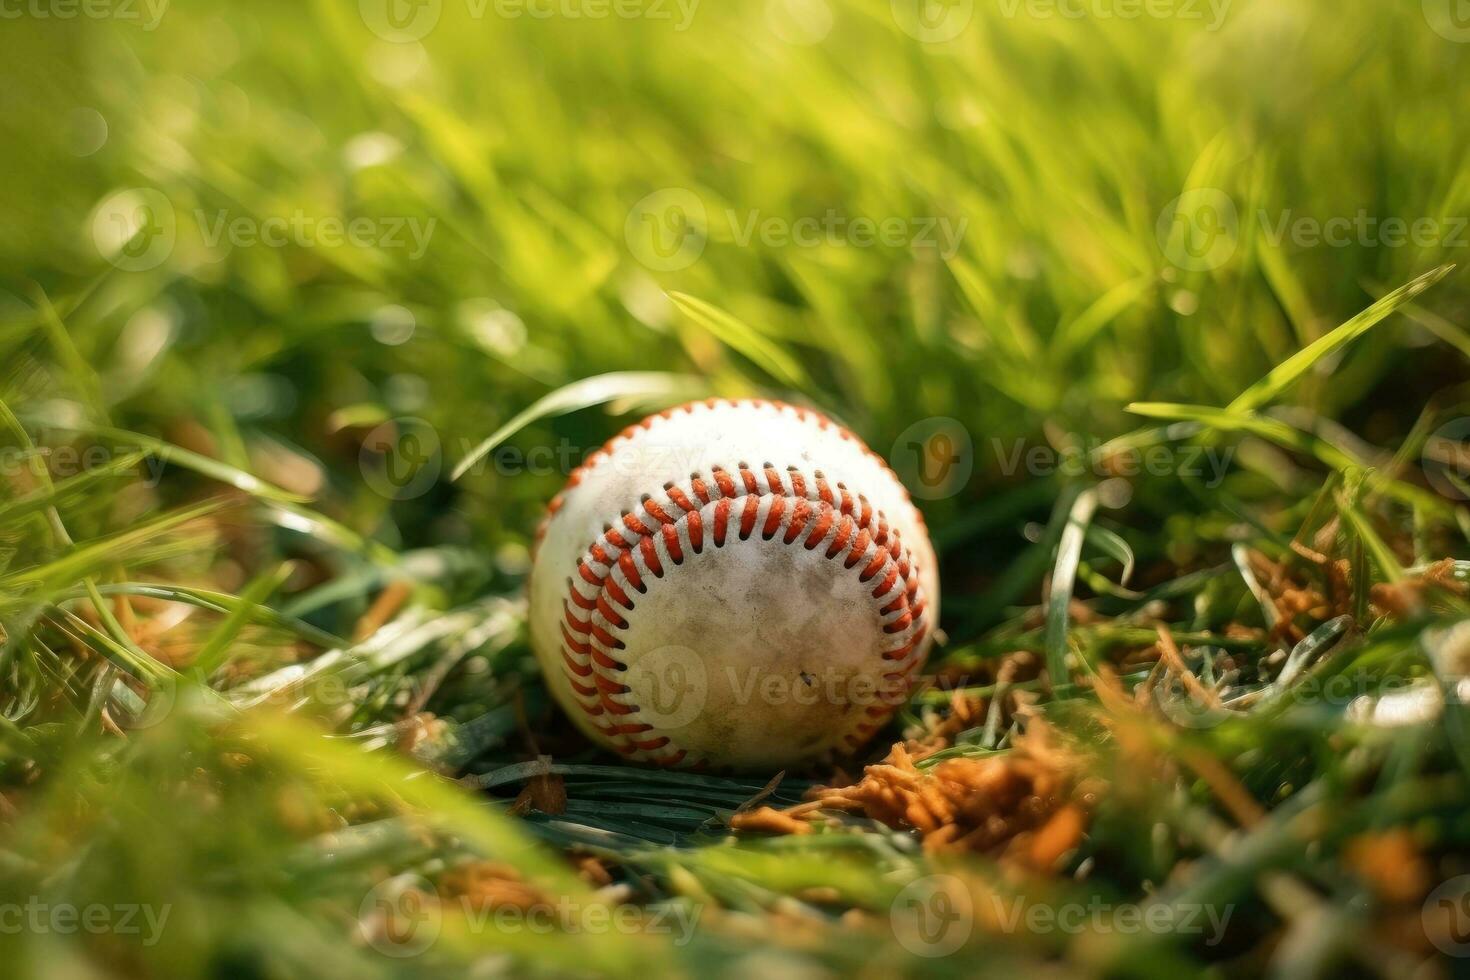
(233, 658)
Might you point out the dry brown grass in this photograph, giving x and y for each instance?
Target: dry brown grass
(1028, 806)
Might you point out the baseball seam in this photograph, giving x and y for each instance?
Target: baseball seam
(794, 508)
(806, 415)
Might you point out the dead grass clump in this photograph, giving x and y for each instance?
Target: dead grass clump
(1029, 805)
(491, 885)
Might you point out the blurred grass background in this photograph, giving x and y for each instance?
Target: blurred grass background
(520, 181)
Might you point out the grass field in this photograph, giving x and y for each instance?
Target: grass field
(1159, 307)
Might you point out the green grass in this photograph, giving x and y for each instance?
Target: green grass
(226, 746)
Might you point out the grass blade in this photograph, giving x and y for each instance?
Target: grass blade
(1063, 579)
(1291, 370)
(211, 468)
(212, 655)
(640, 387)
(739, 337)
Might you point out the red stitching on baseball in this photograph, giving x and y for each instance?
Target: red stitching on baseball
(803, 414)
(853, 537)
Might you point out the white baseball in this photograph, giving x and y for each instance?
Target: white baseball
(737, 585)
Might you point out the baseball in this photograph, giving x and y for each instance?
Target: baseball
(733, 585)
